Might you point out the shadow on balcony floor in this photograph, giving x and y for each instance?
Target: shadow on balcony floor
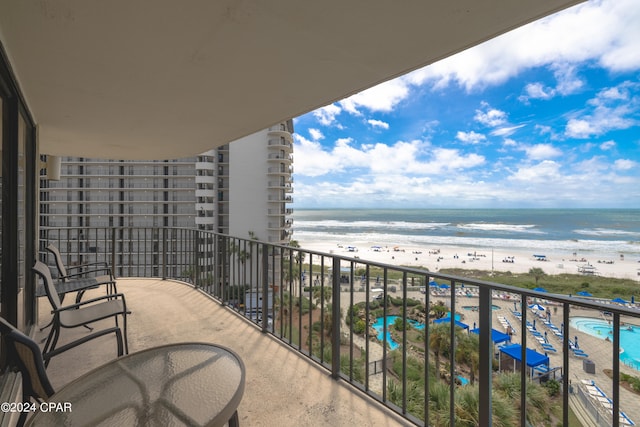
(282, 388)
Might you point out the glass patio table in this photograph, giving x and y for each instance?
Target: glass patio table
(194, 384)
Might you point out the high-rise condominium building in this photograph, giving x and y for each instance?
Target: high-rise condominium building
(242, 188)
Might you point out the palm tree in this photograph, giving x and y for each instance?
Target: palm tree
(439, 340)
(537, 273)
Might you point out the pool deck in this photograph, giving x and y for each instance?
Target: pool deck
(599, 352)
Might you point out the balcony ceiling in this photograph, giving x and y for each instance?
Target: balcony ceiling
(159, 79)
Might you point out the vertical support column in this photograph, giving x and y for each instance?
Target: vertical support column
(335, 319)
(486, 357)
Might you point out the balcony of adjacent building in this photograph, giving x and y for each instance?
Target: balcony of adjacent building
(318, 352)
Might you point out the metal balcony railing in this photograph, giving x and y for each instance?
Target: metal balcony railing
(327, 307)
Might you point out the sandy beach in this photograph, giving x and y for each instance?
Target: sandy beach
(439, 257)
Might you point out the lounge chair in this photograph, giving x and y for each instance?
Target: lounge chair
(81, 313)
(25, 355)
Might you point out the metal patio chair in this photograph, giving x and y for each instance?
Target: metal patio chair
(25, 355)
(84, 276)
(81, 313)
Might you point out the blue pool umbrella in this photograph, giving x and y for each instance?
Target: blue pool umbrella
(536, 307)
(444, 286)
(448, 319)
(584, 294)
(533, 357)
(540, 289)
(496, 336)
(619, 301)
(433, 283)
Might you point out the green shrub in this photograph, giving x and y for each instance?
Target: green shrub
(553, 387)
(359, 327)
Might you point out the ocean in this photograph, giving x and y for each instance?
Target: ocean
(545, 231)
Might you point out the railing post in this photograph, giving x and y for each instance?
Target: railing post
(265, 287)
(335, 319)
(485, 368)
(113, 252)
(164, 253)
(196, 261)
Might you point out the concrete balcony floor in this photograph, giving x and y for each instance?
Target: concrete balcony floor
(282, 387)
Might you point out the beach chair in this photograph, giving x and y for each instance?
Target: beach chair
(82, 314)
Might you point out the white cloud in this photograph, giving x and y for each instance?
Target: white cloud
(311, 159)
(612, 108)
(378, 124)
(604, 31)
(470, 137)
(327, 115)
(547, 171)
(538, 91)
(506, 130)
(579, 128)
(491, 117)
(625, 164)
(608, 145)
(316, 135)
(383, 97)
(541, 151)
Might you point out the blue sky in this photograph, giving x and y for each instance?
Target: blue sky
(547, 115)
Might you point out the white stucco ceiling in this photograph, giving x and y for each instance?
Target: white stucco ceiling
(158, 79)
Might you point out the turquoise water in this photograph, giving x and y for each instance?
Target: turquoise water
(629, 337)
(379, 327)
(463, 380)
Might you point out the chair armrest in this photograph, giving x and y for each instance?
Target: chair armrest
(47, 356)
(88, 264)
(84, 273)
(89, 301)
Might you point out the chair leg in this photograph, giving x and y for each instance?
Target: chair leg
(52, 340)
(234, 421)
(119, 341)
(124, 327)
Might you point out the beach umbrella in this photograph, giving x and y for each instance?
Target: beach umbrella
(540, 289)
(584, 294)
(536, 307)
(433, 283)
(619, 301)
(444, 286)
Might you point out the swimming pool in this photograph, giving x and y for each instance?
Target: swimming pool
(379, 327)
(629, 337)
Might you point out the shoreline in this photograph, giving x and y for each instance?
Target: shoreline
(499, 259)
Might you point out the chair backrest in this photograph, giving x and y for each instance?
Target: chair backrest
(58, 257)
(43, 271)
(27, 356)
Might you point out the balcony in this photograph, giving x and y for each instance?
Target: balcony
(319, 329)
(283, 388)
